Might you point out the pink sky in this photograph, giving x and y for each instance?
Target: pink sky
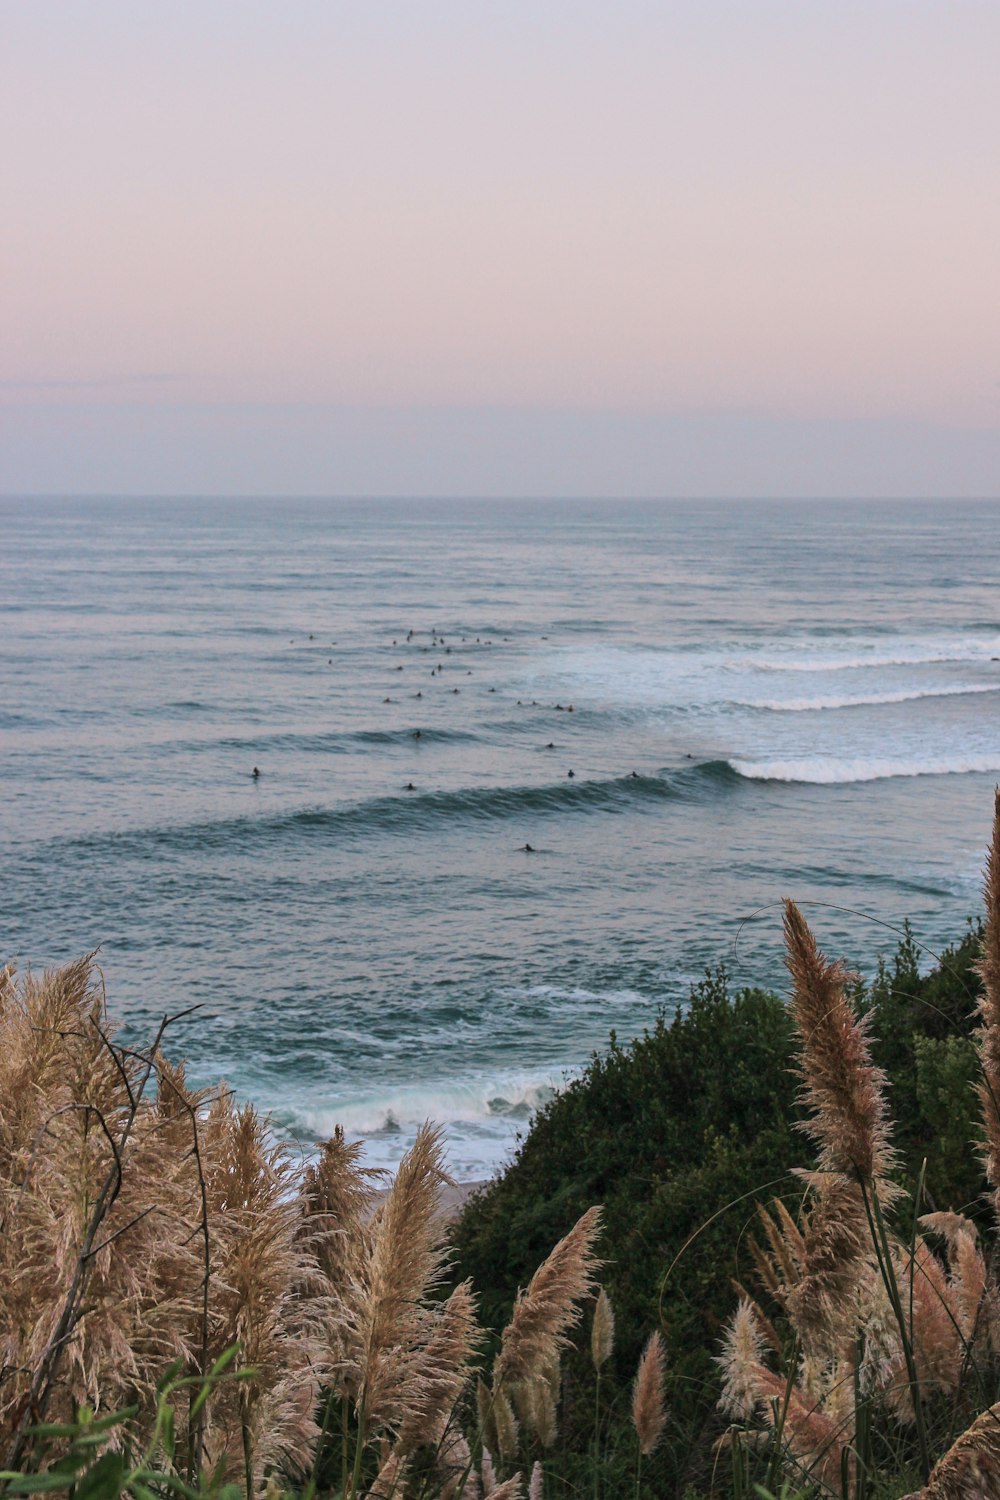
(691, 210)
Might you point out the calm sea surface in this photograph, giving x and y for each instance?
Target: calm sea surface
(753, 700)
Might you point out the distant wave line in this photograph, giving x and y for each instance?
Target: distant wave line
(833, 771)
(865, 700)
(420, 811)
(920, 656)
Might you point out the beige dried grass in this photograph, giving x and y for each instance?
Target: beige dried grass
(648, 1409)
(970, 1470)
(602, 1333)
(536, 1333)
(841, 1087)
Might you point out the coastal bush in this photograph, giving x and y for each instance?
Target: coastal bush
(684, 1130)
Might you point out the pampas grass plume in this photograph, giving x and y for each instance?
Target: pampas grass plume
(970, 1470)
(648, 1414)
(602, 1333)
(536, 1332)
(742, 1349)
(842, 1088)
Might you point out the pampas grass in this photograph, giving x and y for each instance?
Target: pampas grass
(648, 1412)
(537, 1331)
(148, 1229)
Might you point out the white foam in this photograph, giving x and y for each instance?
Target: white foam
(487, 1101)
(913, 653)
(831, 770)
(864, 700)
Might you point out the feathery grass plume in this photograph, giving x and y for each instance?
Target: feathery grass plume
(742, 1352)
(484, 1411)
(505, 1423)
(443, 1369)
(836, 1248)
(849, 1125)
(536, 1407)
(536, 1332)
(648, 1412)
(841, 1086)
(392, 1322)
(337, 1196)
(816, 1443)
(509, 1490)
(261, 1273)
(454, 1466)
(390, 1478)
(602, 1333)
(989, 1012)
(536, 1484)
(780, 1268)
(91, 1204)
(966, 1273)
(970, 1470)
(882, 1358)
(487, 1472)
(939, 1350)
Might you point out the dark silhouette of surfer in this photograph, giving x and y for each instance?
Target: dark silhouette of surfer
(255, 774)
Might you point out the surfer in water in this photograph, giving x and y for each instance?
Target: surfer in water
(255, 774)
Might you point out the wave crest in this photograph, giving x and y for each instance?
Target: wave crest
(833, 771)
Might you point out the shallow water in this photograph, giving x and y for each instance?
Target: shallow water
(767, 699)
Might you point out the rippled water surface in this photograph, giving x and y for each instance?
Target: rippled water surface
(754, 700)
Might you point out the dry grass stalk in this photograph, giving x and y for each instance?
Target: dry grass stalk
(443, 1369)
(390, 1479)
(823, 1303)
(260, 1271)
(648, 1411)
(602, 1333)
(842, 1088)
(849, 1125)
(536, 1407)
(509, 1490)
(989, 1013)
(392, 1320)
(536, 1333)
(742, 1352)
(455, 1467)
(970, 1470)
(815, 1440)
(505, 1423)
(90, 1201)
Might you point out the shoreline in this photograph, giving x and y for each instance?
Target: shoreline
(453, 1197)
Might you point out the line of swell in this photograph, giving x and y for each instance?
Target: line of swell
(865, 700)
(987, 651)
(329, 742)
(420, 811)
(836, 772)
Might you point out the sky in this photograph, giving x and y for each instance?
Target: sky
(721, 247)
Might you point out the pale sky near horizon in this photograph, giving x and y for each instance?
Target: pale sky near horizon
(709, 246)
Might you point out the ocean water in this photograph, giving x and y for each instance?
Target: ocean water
(755, 700)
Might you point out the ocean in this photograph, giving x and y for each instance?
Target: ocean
(686, 710)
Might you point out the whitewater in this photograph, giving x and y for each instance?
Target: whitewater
(524, 771)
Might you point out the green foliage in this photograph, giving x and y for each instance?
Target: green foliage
(676, 1135)
(92, 1458)
(922, 1028)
